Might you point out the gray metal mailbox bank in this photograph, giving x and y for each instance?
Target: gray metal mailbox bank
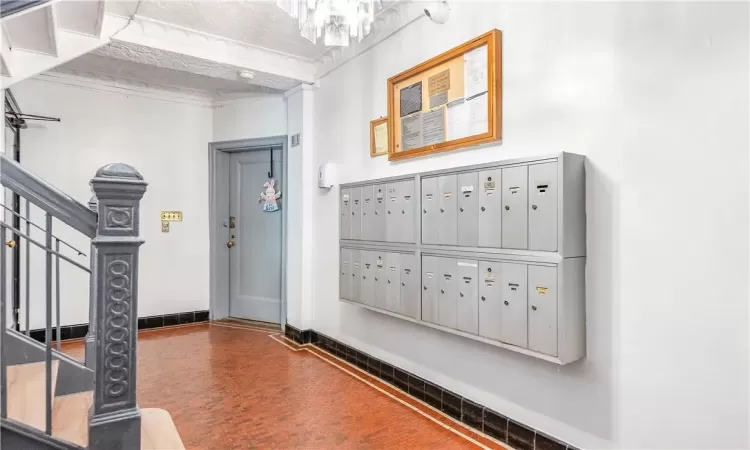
(494, 252)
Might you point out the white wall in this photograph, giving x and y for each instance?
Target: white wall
(167, 142)
(656, 96)
(300, 218)
(250, 117)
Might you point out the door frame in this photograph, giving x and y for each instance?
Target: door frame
(218, 189)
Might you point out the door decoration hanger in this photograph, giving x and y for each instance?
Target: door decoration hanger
(269, 196)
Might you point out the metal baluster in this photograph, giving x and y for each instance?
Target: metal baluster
(3, 313)
(57, 289)
(48, 329)
(28, 267)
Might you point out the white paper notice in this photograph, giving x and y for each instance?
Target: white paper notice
(478, 114)
(475, 71)
(456, 120)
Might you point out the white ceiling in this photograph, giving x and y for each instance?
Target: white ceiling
(256, 22)
(233, 28)
(97, 66)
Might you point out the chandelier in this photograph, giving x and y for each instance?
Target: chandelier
(336, 21)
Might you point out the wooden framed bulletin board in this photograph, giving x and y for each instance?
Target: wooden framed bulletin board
(451, 101)
(379, 137)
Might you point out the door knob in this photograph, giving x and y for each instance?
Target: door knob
(230, 244)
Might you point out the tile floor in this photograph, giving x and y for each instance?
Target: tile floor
(239, 387)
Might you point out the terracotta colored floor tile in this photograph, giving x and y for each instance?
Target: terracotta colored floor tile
(235, 388)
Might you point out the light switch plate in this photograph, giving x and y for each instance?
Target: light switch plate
(164, 226)
(295, 139)
(172, 216)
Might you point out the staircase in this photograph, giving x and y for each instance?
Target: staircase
(49, 400)
(39, 35)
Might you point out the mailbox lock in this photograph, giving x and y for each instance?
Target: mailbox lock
(352, 212)
(483, 299)
(533, 307)
(461, 294)
(364, 213)
(461, 209)
(389, 281)
(376, 213)
(424, 287)
(489, 178)
(376, 278)
(389, 211)
(353, 275)
(533, 207)
(442, 291)
(507, 207)
(364, 277)
(482, 208)
(403, 283)
(506, 302)
(402, 212)
(442, 210)
(424, 211)
(489, 269)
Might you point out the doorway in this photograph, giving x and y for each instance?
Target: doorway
(248, 229)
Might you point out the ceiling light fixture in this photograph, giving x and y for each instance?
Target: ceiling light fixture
(336, 21)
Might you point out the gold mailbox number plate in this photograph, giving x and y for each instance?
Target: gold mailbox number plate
(171, 216)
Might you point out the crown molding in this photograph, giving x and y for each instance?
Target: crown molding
(387, 23)
(301, 87)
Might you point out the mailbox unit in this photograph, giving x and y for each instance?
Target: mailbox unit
(493, 252)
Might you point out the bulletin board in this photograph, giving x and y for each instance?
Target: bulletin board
(451, 101)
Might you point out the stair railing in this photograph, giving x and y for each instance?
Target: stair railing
(114, 419)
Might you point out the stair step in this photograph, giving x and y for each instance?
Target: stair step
(158, 431)
(26, 393)
(70, 423)
(70, 417)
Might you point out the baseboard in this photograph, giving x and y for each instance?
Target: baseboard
(468, 412)
(69, 332)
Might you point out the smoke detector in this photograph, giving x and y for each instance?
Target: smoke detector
(246, 74)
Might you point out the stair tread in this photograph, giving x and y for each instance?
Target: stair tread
(70, 417)
(158, 431)
(70, 423)
(26, 393)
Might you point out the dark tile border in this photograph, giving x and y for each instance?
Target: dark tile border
(469, 413)
(144, 323)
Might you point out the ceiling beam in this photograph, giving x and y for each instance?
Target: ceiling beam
(167, 37)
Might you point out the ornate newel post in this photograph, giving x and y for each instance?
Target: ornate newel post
(115, 421)
(90, 350)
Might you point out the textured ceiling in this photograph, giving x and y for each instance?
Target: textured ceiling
(259, 23)
(256, 22)
(181, 62)
(152, 76)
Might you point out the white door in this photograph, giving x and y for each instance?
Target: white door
(255, 241)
